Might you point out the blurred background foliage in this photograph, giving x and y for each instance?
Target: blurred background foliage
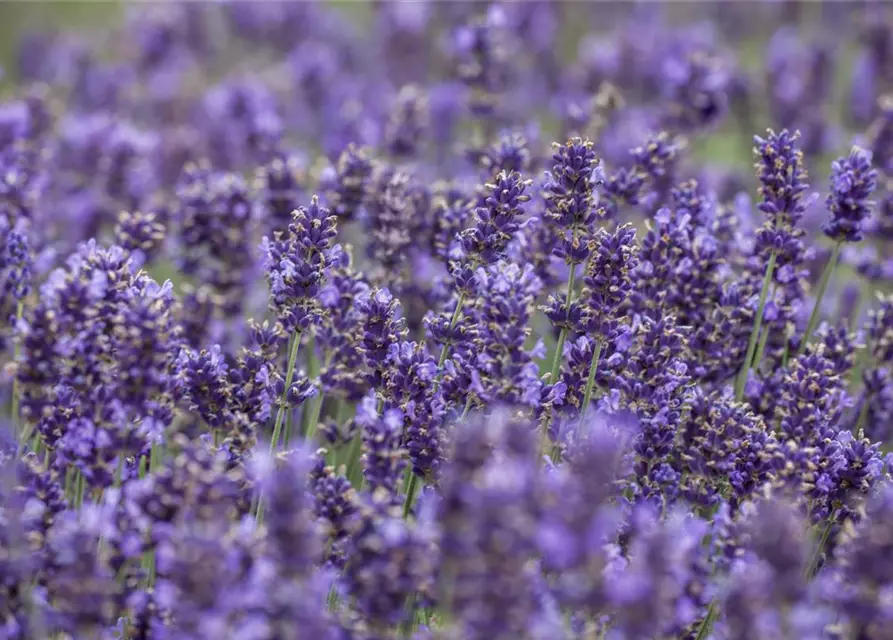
(99, 19)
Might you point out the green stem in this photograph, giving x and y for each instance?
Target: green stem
(707, 622)
(14, 402)
(353, 459)
(313, 369)
(411, 488)
(313, 419)
(465, 410)
(761, 346)
(817, 556)
(69, 486)
(446, 347)
(142, 469)
(590, 381)
(79, 488)
(562, 336)
(155, 456)
(316, 409)
(785, 354)
(816, 309)
(860, 301)
(29, 435)
(119, 471)
(755, 332)
(863, 415)
(289, 375)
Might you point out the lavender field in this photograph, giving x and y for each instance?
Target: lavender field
(446, 321)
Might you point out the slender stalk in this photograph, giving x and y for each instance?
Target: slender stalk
(155, 456)
(562, 336)
(338, 453)
(411, 489)
(863, 415)
(408, 625)
(119, 471)
(342, 411)
(79, 488)
(761, 346)
(813, 564)
(465, 410)
(446, 347)
(590, 381)
(14, 401)
(142, 468)
(820, 293)
(353, 459)
(755, 332)
(313, 370)
(707, 623)
(785, 354)
(69, 484)
(860, 301)
(289, 375)
(316, 409)
(313, 418)
(28, 437)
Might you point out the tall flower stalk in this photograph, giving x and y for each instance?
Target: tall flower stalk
(296, 265)
(496, 222)
(782, 179)
(608, 284)
(572, 206)
(852, 182)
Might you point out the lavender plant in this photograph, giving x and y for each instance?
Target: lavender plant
(308, 332)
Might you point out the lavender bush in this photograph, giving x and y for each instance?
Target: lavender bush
(311, 331)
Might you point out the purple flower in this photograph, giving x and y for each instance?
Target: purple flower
(390, 560)
(483, 59)
(506, 368)
(81, 583)
(609, 278)
(697, 86)
(496, 222)
(490, 495)
(852, 182)
(510, 153)
(281, 181)
(576, 530)
(408, 123)
(766, 591)
(293, 538)
(866, 568)
(345, 184)
(782, 179)
(383, 456)
(334, 503)
(297, 265)
(572, 199)
(396, 207)
(880, 330)
(204, 377)
(662, 588)
(216, 217)
(139, 231)
(383, 326)
(410, 383)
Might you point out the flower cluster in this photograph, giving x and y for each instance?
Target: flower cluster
(308, 332)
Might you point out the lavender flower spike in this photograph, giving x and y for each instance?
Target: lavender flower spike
(782, 179)
(852, 182)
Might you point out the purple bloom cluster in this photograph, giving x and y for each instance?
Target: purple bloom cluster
(598, 389)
